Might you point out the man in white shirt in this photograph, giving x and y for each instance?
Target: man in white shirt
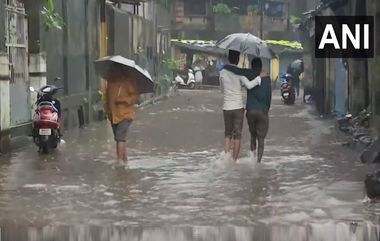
(233, 108)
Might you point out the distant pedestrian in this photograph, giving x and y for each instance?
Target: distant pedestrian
(296, 68)
(233, 108)
(120, 97)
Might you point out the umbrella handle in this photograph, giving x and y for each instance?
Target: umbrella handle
(118, 93)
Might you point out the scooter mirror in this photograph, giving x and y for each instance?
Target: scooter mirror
(31, 89)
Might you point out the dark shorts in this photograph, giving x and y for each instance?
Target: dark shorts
(233, 123)
(258, 123)
(120, 130)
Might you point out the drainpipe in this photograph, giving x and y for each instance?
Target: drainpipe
(87, 56)
(103, 38)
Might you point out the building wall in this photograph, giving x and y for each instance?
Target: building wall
(297, 7)
(232, 23)
(311, 4)
(2, 26)
(374, 9)
(192, 25)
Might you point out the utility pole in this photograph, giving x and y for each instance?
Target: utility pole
(261, 3)
(288, 17)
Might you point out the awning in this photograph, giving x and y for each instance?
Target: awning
(198, 46)
(285, 44)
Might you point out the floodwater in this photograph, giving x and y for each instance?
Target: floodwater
(179, 186)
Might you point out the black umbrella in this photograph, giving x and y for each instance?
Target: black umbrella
(144, 81)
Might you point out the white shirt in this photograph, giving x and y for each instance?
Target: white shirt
(231, 85)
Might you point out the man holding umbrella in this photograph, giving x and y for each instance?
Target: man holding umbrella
(296, 68)
(125, 82)
(120, 98)
(233, 109)
(258, 104)
(259, 98)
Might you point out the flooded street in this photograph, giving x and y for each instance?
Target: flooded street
(178, 187)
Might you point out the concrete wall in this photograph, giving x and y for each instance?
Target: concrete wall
(2, 26)
(69, 53)
(374, 9)
(5, 120)
(232, 23)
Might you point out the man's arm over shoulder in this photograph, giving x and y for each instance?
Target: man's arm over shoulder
(250, 84)
(269, 92)
(221, 79)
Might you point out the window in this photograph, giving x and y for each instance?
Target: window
(274, 9)
(195, 7)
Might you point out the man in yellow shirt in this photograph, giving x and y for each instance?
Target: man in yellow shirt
(121, 95)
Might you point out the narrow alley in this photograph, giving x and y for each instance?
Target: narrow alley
(309, 187)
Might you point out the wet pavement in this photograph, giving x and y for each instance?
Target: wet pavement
(178, 187)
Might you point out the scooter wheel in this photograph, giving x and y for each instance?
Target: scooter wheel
(192, 85)
(44, 144)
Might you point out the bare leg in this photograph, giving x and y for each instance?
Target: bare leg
(227, 142)
(236, 150)
(253, 141)
(121, 152)
(260, 149)
(253, 146)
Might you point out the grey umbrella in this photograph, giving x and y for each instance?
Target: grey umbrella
(144, 81)
(296, 67)
(246, 43)
(297, 64)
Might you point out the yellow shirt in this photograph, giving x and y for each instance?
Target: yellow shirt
(121, 96)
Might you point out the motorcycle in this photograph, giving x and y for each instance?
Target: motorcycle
(288, 93)
(185, 81)
(46, 119)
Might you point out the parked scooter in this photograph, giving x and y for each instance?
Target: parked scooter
(46, 119)
(185, 81)
(288, 93)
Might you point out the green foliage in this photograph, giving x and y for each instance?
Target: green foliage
(222, 8)
(295, 20)
(140, 50)
(170, 63)
(163, 81)
(50, 17)
(253, 8)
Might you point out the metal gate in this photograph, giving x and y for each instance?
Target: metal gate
(17, 46)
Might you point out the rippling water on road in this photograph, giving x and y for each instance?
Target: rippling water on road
(179, 186)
